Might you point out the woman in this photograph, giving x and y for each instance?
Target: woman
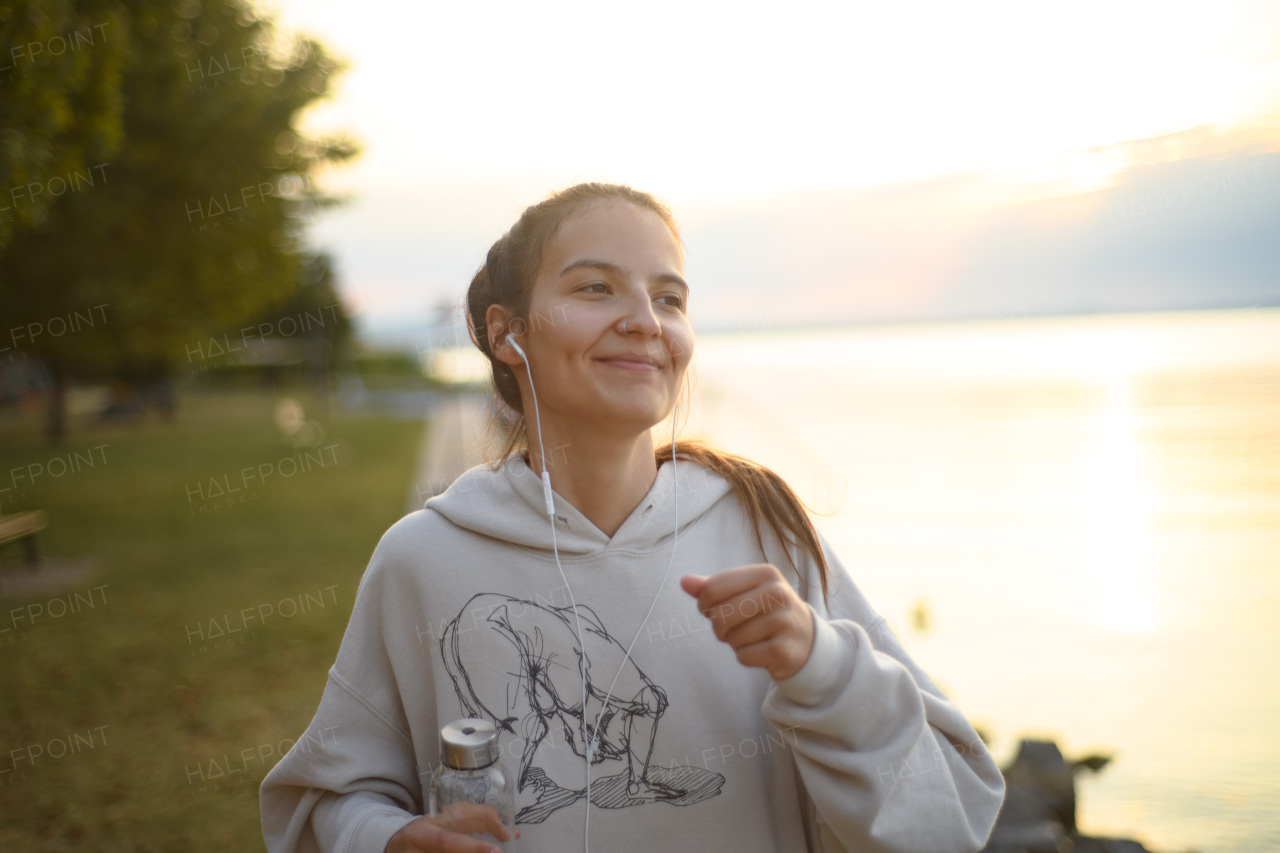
(757, 704)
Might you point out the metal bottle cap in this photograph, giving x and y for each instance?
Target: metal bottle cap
(469, 744)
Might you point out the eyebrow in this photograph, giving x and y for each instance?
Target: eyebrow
(595, 263)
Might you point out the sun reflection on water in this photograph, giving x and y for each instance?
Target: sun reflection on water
(1117, 520)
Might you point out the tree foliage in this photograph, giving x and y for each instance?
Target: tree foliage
(60, 104)
(196, 221)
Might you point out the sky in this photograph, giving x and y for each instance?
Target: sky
(863, 158)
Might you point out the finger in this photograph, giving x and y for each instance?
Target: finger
(456, 843)
(768, 655)
(756, 630)
(756, 603)
(733, 582)
(693, 584)
(473, 817)
(453, 842)
(428, 835)
(782, 655)
(732, 612)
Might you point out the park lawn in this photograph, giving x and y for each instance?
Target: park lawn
(126, 710)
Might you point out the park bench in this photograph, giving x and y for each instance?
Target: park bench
(23, 526)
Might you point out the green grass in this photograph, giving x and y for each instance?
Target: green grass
(134, 662)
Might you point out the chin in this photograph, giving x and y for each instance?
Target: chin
(636, 417)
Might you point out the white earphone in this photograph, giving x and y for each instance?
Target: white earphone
(546, 475)
(551, 512)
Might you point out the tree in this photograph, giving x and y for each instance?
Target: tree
(196, 222)
(60, 109)
(316, 321)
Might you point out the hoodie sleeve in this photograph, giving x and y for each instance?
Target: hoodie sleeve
(351, 781)
(888, 762)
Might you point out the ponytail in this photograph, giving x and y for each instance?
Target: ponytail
(765, 496)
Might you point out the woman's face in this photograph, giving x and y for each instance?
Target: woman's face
(607, 334)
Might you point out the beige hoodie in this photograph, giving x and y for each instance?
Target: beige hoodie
(462, 612)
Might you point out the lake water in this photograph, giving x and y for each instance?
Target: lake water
(1086, 510)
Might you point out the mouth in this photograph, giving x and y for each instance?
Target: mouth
(638, 363)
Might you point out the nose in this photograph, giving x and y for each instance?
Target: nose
(639, 318)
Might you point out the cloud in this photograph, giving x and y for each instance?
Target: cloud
(1191, 233)
(835, 255)
(1179, 221)
(1188, 220)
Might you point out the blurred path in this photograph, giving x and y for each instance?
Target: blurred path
(453, 441)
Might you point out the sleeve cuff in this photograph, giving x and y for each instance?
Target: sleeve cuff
(824, 671)
(373, 833)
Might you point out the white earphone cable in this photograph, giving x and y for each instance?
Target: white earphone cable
(590, 745)
(546, 493)
(675, 492)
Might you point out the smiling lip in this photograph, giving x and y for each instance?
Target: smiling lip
(638, 364)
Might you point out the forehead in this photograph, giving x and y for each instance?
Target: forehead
(625, 234)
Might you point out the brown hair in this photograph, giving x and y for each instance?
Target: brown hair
(506, 278)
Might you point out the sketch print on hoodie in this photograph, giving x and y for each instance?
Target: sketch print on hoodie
(462, 612)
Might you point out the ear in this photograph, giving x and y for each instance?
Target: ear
(497, 322)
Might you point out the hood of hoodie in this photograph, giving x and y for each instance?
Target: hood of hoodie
(508, 504)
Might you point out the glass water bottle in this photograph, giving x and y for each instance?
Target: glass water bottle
(471, 773)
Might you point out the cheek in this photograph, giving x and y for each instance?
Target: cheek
(567, 327)
(682, 346)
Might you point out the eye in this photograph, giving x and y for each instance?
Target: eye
(675, 300)
(587, 288)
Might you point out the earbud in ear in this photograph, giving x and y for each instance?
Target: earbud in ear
(511, 339)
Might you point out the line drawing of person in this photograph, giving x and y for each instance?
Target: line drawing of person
(536, 648)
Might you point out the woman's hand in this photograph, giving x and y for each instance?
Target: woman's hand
(446, 833)
(755, 610)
